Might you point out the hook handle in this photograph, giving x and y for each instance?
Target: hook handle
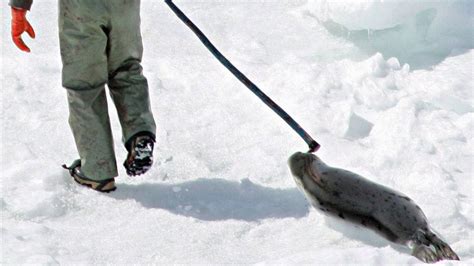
(313, 145)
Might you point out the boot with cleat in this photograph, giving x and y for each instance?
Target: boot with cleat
(140, 154)
(106, 185)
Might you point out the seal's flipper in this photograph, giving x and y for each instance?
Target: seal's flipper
(425, 254)
(442, 249)
(429, 248)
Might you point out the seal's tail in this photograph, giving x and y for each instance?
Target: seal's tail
(429, 248)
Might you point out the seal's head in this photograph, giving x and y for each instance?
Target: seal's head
(304, 164)
(297, 163)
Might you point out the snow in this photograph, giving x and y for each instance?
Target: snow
(397, 110)
(380, 14)
(419, 32)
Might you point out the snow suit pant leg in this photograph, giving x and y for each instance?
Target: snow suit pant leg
(128, 86)
(83, 42)
(89, 121)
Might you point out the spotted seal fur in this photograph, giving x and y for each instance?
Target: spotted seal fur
(348, 196)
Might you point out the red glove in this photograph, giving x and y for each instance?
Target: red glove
(20, 25)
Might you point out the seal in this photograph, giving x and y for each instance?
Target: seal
(348, 196)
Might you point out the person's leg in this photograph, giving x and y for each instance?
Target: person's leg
(89, 121)
(128, 86)
(83, 41)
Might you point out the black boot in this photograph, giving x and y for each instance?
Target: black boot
(140, 154)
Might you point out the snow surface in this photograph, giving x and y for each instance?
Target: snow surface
(418, 32)
(397, 109)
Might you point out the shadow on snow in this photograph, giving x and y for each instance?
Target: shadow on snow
(216, 199)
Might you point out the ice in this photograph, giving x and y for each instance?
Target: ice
(419, 32)
(358, 127)
(385, 86)
(372, 14)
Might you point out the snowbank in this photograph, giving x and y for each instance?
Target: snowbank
(421, 33)
(380, 14)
